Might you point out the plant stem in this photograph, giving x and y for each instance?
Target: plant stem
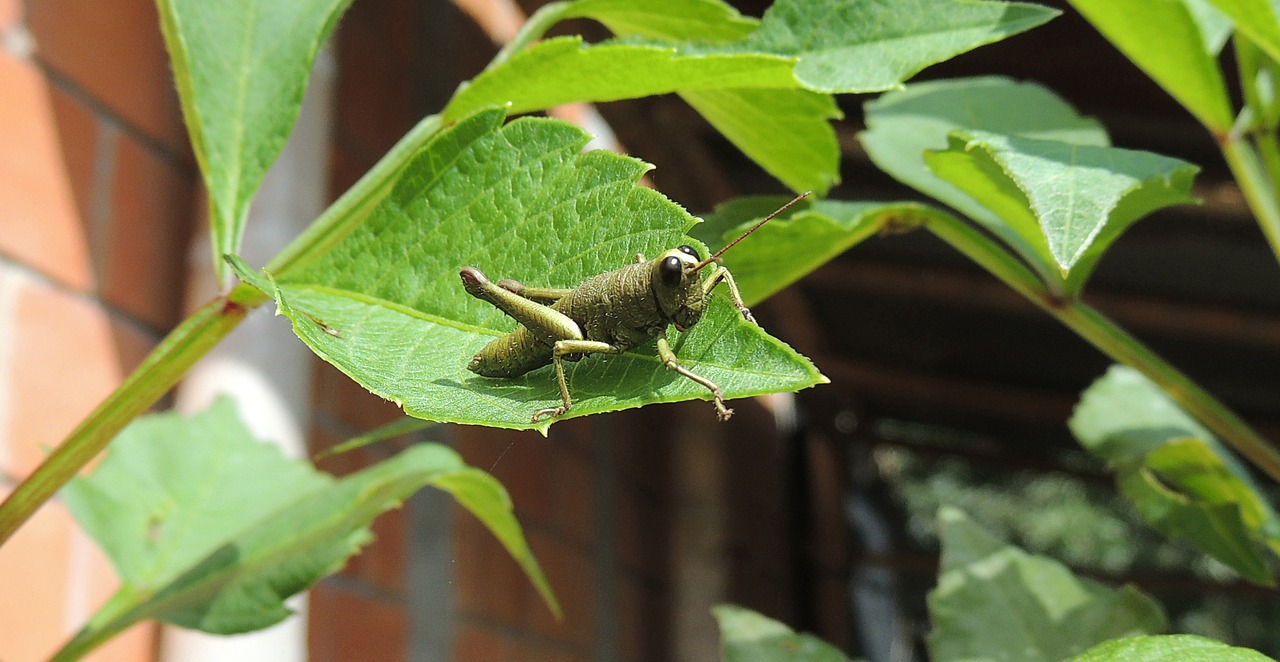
(530, 31)
(152, 379)
(1111, 340)
(1256, 186)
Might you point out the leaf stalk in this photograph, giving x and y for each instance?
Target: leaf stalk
(1110, 339)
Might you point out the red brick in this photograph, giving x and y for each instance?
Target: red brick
(39, 225)
(78, 134)
(521, 461)
(830, 545)
(572, 574)
(475, 642)
(337, 394)
(575, 497)
(10, 13)
(64, 359)
(367, 47)
(36, 570)
(381, 562)
(489, 582)
(145, 251)
(832, 611)
(554, 653)
(347, 626)
(640, 520)
(33, 571)
(114, 51)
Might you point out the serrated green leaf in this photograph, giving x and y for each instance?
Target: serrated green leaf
(241, 67)
(1180, 477)
(1164, 38)
(385, 305)
(667, 19)
(1168, 648)
(797, 241)
(1074, 199)
(787, 132)
(564, 69)
(902, 125)
(833, 46)
(747, 88)
(995, 601)
(871, 46)
(747, 636)
(212, 529)
(239, 586)
(158, 504)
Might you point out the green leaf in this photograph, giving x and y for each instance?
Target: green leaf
(385, 305)
(1168, 648)
(787, 132)
(564, 69)
(747, 636)
(833, 46)
(996, 602)
(1257, 20)
(1123, 416)
(1164, 38)
(747, 87)
(1185, 492)
(241, 67)
(1178, 475)
(872, 46)
(796, 242)
(666, 19)
(902, 125)
(1073, 199)
(396, 428)
(173, 488)
(212, 529)
(1215, 26)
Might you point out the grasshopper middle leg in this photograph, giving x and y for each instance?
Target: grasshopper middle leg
(572, 346)
(669, 359)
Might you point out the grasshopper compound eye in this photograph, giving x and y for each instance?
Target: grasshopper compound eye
(690, 251)
(671, 271)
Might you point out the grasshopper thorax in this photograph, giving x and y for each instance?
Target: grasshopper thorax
(677, 286)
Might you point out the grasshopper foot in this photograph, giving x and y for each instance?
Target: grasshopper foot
(550, 411)
(474, 281)
(722, 412)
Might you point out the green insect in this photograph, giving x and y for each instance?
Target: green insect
(609, 313)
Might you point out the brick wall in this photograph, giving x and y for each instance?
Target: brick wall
(96, 185)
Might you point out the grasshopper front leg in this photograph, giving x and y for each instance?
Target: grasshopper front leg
(669, 359)
(722, 274)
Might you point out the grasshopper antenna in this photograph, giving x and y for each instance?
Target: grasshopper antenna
(755, 227)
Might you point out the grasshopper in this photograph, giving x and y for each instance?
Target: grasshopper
(609, 313)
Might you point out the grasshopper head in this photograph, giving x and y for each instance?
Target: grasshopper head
(677, 287)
